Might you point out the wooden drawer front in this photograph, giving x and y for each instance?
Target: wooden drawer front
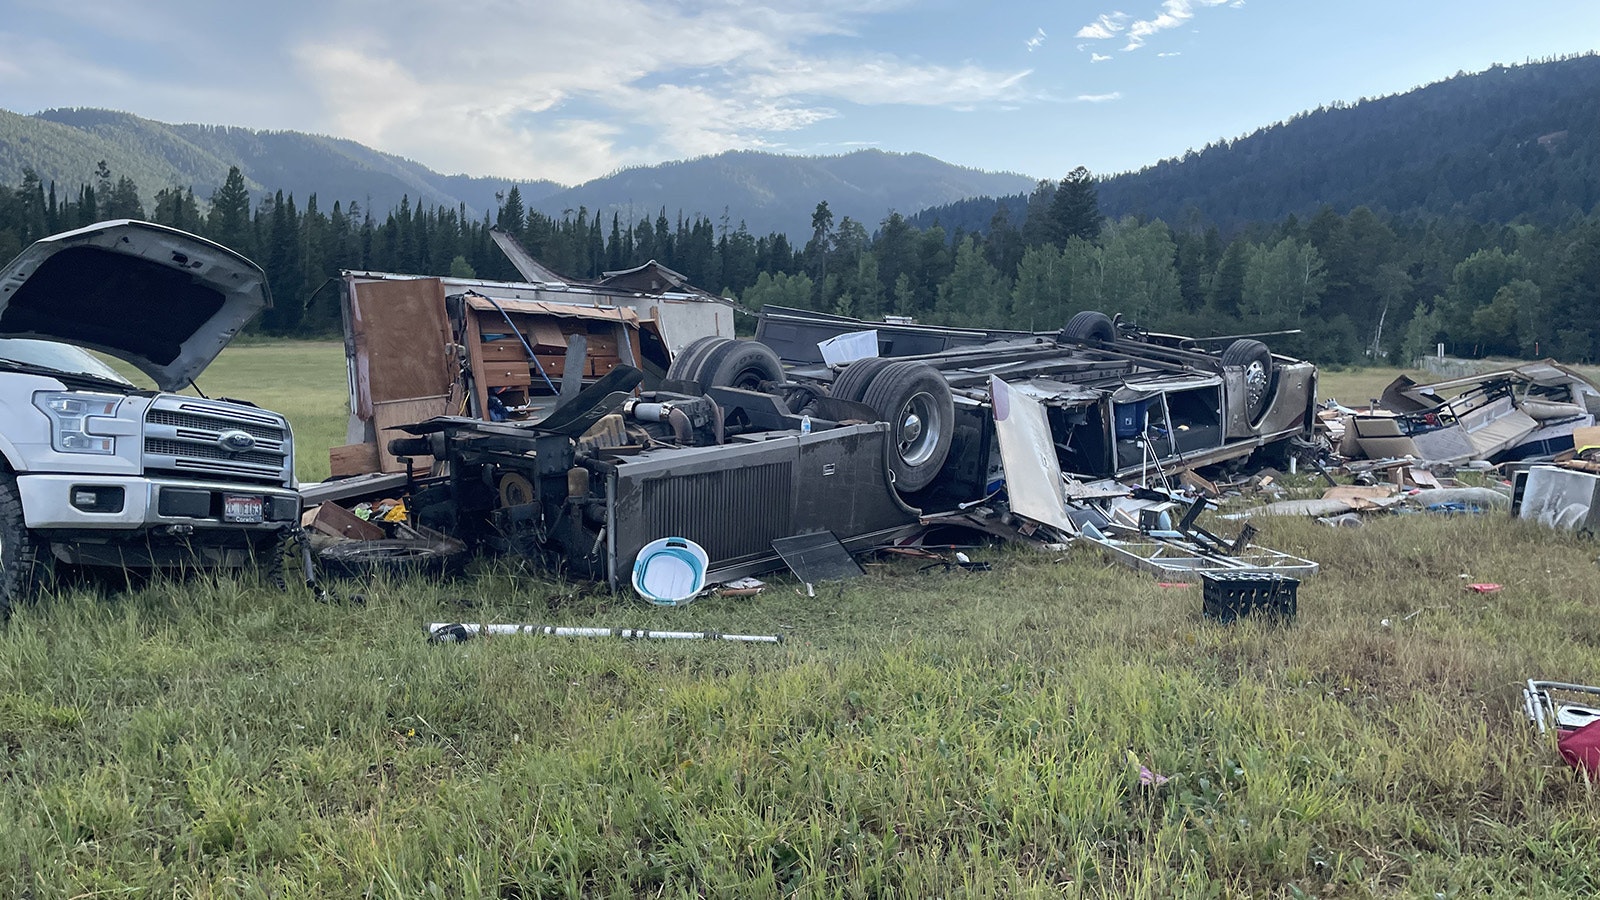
(506, 374)
(502, 351)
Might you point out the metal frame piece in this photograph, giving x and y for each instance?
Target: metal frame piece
(1545, 709)
(1179, 560)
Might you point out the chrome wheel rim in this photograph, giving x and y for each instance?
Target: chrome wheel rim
(918, 429)
(1255, 382)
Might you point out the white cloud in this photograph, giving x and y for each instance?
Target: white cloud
(1107, 26)
(1173, 14)
(1098, 58)
(538, 100)
(1169, 54)
(1036, 41)
(1099, 98)
(561, 89)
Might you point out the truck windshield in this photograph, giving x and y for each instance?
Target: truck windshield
(58, 358)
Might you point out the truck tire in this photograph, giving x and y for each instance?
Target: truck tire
(855, 378)
(742, 364)
(727, 362)
(24, 562)
(915, 400)
(1089, 326)
(687, 361)
(1256, 360)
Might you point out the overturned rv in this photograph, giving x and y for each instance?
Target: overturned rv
(1122, 402)
(741, 443)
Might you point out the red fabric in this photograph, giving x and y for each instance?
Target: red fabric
(1581, 748)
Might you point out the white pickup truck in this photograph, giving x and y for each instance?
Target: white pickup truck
(96, 471)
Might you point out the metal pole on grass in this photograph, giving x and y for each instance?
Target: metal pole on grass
(455, 632)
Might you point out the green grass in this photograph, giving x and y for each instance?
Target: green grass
(918, 735)
(303, 380)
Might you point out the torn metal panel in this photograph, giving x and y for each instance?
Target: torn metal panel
(1033, 473)
(1560, 498)
(681, 315)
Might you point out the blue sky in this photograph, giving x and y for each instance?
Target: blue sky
(571, 90)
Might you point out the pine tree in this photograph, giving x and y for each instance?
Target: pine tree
(228, 222)
(1075, 209)
(512, 216)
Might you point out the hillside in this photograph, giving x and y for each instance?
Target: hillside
(64, 145)
(767, 191)
(1508, 144)
(771, 193)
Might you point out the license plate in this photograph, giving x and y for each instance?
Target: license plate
(237, 508)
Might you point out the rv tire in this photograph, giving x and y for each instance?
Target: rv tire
(915, 400)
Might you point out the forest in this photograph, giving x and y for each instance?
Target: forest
(1356, 287)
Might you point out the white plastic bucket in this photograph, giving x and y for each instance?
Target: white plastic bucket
(670, 571)
(847, 348)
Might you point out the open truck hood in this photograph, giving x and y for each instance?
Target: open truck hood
(161, 299)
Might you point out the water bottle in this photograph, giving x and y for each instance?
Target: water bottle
(805, 424)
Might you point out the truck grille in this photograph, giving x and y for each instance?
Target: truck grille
(732, 513)
(208, 423)
(181, 436)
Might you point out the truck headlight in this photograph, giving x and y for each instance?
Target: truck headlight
(72, 415)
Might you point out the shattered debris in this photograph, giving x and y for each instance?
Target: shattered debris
(1529, 411)
(1572, 711)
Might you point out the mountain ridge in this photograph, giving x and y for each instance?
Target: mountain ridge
(1481, 146)
(769, 192)
(1507, 144)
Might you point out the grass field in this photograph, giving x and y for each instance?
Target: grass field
(920, 734)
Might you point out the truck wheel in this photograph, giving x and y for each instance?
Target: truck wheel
(915, 400)
(741, 364)
(727, 362)
(853, 381)
(687, 361)
(24, 562)
(1089, 326)
(1256, 360)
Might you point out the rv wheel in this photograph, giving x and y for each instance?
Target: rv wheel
(855, 378)
(1089, 326)
(688, 360)
(742, 364)
(1256, 360)
(915, 400)
(727, 362)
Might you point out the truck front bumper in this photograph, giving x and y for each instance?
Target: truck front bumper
(103, 506)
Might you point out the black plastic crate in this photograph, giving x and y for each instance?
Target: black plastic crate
(1229, 595)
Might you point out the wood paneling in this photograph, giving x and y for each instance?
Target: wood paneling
(403, 412)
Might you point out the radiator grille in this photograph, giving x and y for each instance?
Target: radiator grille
(732, 513)
(212, 423)
(162, 447)
(182, 436)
